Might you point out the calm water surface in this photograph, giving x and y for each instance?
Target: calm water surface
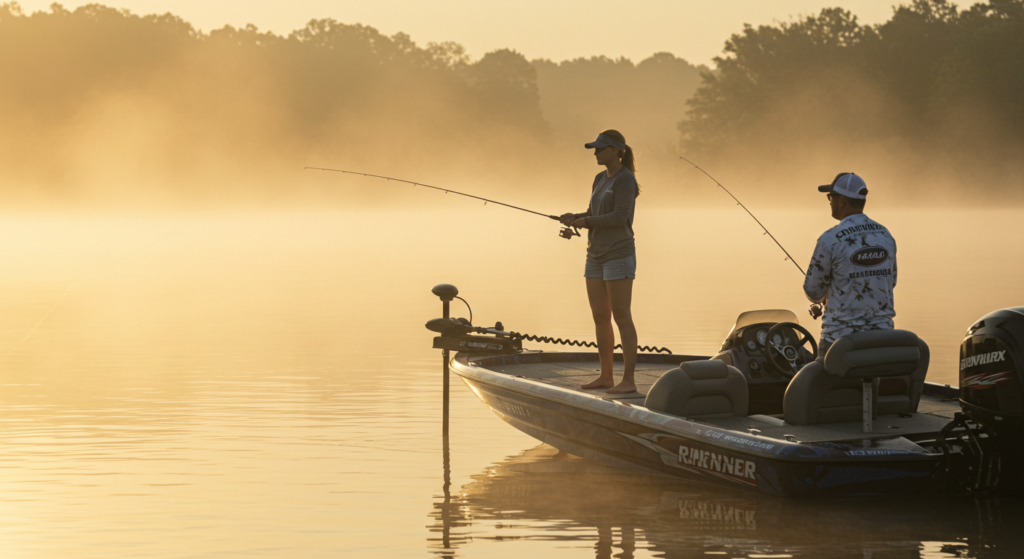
(260, 384)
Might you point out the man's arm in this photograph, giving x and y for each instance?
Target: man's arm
(819, 277)
(894, 268)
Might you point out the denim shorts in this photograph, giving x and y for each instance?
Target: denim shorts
(621, 268)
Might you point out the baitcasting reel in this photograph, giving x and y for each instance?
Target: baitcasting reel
(569, 232)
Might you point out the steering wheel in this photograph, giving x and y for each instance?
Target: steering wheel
(783, 357)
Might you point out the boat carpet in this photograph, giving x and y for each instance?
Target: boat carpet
(572, 375)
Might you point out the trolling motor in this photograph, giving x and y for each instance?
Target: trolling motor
(456, 333)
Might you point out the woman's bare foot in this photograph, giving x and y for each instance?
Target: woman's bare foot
(601, 382)
(624, 387)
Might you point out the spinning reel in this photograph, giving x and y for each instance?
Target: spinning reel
(569, 232)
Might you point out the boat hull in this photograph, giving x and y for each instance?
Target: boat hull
(628, 436)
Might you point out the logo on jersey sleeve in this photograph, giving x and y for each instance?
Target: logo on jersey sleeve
(869, 256)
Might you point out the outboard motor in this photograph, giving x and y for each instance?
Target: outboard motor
(992, 388)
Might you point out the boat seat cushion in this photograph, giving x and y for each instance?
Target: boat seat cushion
(700, 389)
(831, 392)
(873, 354)
(902, 394)
(814, 396)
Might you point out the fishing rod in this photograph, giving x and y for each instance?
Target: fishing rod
(816, 307)
(566, 233)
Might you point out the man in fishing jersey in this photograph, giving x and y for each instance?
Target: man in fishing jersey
(853, 269)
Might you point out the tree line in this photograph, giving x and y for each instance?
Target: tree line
(97, 97)
(935, 91)
(98, 94)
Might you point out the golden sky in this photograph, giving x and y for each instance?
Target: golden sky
(554, 29)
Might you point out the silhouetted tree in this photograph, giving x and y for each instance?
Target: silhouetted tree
(580, 97)
(933, 78)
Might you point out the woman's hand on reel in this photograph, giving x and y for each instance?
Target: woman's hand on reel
(567, 218)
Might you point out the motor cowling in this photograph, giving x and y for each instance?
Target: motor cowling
(990, 381)
(992, 386)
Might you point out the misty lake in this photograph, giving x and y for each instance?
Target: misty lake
(260, 384)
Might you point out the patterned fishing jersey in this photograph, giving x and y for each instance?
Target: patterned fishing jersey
(854, 264)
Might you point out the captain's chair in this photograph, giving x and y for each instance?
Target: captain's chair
(700, 390)
(894, 361)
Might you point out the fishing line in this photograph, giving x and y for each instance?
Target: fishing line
(84, 277)
(766, 232)
(816, 309)
(567, 232)
(445, 190)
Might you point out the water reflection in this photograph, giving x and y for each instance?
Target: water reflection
(544, 495)
(447, 512)
(449, 516)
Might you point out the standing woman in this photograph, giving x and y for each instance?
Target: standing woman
(611, 256)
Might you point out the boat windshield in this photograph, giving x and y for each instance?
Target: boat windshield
(757, 317)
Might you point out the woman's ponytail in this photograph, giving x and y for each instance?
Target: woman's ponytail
(625, 155)
(628, 161)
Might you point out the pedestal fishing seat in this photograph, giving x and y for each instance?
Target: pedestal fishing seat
(700, 390)
(846, 387)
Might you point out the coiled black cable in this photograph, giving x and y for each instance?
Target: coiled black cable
(549, 340)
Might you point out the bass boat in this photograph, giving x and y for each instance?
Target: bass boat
(766, 413)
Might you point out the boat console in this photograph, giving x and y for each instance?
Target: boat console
(768, 347)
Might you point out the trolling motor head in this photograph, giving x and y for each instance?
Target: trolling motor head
(458, 333)
(445, 291)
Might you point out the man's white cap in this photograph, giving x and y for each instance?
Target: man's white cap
(847, 184)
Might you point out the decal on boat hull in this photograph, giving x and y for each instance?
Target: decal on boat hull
(698, 461)
(737, 468)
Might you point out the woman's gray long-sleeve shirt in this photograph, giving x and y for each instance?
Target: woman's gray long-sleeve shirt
(610, 217)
